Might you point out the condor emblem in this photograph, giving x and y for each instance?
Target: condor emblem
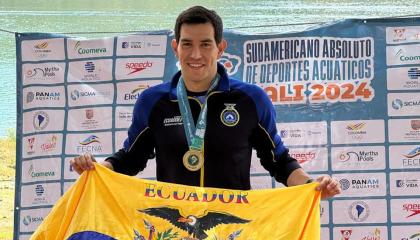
(229, 115)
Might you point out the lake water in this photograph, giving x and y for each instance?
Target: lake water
(140, 15)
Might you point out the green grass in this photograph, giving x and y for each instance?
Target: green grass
(7, 184)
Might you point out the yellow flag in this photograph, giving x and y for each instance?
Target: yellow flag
(103, 204)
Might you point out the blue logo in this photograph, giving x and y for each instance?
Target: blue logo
(75, 95)
(414, 73)
(397, 104)
(229, 115)
(345, 184)
(39, 190)
(89, 67)
(124, 44)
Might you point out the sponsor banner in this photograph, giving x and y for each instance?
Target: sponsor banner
(406, 78)
(405, 210)
(123, 116)
(81, 48)
(131, 68)
(404, 183)
(43, 73)
(303, 133)
(403, 104)
(405, 34)
(325, 212)
(361, 233)
(311, 159)
(404, 156)
(29, 220)
(93, 143)
(404, 130)
(66, 186)
(362, 184)
(90, 71)
(69, 172)
(41, 170)
(150, 171)
(403, 54)
(411, 232)
(357, 131)
(297, 70)
(43, 97)
(43, 121)
(360, 211)
(43, 49)
(141, 45)
(358, 158)
(24, 237)
(40, 194)
(81, 95)
(42, 145)
(120, 137)
(128, 92)
(95, 118)
(261, 182)
(325, 233)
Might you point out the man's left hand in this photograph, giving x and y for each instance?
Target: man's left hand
(328, 186)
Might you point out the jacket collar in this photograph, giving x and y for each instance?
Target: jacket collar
(222, 86)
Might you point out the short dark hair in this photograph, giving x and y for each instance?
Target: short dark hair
(197, 15)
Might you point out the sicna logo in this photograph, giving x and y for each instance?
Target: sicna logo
(403, 58)
(29, 219)
(135, 67)
(80, 50)
(398, 104)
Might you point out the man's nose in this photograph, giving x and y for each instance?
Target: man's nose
(196, 53)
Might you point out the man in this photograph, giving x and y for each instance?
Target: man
(202, 124)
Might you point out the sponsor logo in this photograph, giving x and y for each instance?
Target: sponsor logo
(229, 116)
(370, 183)
(375, 235)
(399, 34)
(176, 120)
(135, 92)
(406, 183)
(413, 236)
(359, 211)
(345, 184)
(40, 120)
(41, 48)
(346, 234)
(413, 153)
(139, 44)
(31, 143)
(42, 72)
(292, 133)
(356, 130)
(39, 192)
(355, 126)
(89, 67)
(397, 104)
(34, 174)
(415, 124)
(50, 144)
(414, 73)
(42, 96)
(29, 219)
(411, 159)
(82, 51)
(89, 122)
(230, 62)
(138, 66)
(30, 96)
(88, 145)
(126, 116)
(404, 58)
(412, 208)
(359, 156)
(304, 157)
(76, 94)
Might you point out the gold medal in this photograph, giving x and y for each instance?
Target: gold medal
(193, 160)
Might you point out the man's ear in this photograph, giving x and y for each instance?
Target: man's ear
(221, 46)
(174, 45)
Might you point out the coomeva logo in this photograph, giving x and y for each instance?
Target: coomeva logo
(79, 49)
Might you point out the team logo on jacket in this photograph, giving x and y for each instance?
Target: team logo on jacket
(229, 115)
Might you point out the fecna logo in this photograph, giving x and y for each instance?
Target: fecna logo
(406, 183)
(40, 120)
(399, 35)
(397, 104)
(413, 153)
(346, 234)
(359, 211)
(89, 67)
(412, 159)
(134, 94)
(303, 157)
(138, 66)
(230, 62)
(50, 144)
(36, 175)
(88, 145)
(28, 219)
(345, 184)
(89, 140)
(413, 73)
(412, 208)
(83, 51)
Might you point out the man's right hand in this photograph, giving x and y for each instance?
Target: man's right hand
(82, 163)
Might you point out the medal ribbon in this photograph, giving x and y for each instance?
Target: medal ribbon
(194, 134)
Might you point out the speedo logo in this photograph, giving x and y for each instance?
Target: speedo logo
(176, 120)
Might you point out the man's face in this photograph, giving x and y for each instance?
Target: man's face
(198, 52)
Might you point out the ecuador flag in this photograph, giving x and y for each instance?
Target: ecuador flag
(103, 204)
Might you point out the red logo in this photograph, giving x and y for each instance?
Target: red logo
(303, 157)
(345, 234)
(89, 113)
(138, 66)
(414, 208)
